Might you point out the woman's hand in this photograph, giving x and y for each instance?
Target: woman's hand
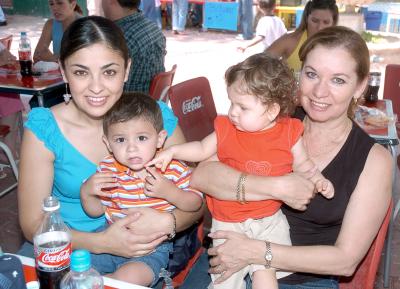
(130, 244)
(144, 224)
(231, 256)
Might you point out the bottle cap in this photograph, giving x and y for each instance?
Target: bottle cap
(33, 285)
(51, 204)
(23, 33)
(80, 260)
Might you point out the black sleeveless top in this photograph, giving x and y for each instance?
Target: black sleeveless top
(321, 222)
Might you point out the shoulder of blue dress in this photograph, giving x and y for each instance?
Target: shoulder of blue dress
(40, 112)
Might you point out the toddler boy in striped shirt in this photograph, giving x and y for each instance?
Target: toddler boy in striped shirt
(133, 132)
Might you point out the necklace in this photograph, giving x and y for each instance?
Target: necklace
(324, 143)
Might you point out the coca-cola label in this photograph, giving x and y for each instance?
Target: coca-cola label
(191, 104)
(52, 255)
(24, 55)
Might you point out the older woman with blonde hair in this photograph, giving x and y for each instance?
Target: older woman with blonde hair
(329, 237)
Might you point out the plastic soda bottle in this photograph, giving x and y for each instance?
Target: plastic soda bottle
(52, 246)
(25, 55)
(82, 276)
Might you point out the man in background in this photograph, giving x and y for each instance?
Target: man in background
(146, 42)
(3, 21)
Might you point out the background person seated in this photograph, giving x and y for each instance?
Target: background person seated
(64, 13)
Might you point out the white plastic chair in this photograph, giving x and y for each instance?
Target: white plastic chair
(11, 160)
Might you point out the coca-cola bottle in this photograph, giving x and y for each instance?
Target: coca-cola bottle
(25, 55)
(52, 245)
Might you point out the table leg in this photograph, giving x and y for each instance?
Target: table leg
(388, 253)
(396, 210)
(39, 96)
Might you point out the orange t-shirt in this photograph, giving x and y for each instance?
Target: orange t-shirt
(263, 153)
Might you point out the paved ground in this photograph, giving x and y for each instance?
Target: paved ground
(196, 54)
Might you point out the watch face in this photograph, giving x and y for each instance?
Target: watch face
(268, 257)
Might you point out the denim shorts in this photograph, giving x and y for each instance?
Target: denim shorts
(156, 260)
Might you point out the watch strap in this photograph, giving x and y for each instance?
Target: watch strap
(268, 255)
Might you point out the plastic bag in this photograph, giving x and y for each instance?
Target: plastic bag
(11, 273)
(367, 116)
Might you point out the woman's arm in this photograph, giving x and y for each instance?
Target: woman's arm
(35, 182)
(176, 138)
(42, 51)
(220, 181)
(6, 57)
(364, 215)
(285, 45)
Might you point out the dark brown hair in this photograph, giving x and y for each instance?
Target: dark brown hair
(77, 7)
(90, 30)
(134, 105)
(318, 5)
(267, 78)
(130, 4)
(266, 5)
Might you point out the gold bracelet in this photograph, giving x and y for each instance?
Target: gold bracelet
(240, 189)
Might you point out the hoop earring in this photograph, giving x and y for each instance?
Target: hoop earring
(67, 96)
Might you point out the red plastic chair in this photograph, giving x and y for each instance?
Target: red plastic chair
(364, 277)
(180, 278)
(193, 104)
(7, 40)
(161, 83)
(392, 91)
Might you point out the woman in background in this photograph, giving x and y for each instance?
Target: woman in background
(64, 13)
(317, 15)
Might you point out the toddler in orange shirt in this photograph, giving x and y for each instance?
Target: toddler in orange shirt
(257, 137)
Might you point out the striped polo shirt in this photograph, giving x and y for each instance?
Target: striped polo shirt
(129, 193)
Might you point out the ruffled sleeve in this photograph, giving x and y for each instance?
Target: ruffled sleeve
(169, 119)
(43, 125)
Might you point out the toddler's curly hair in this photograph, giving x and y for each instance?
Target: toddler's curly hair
(267, 78)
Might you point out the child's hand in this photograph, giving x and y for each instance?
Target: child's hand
(325, 187)
(241, 49)
(98, 184)
(157, 186)
(162, 159)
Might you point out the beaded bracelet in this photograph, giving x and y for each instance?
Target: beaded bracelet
(240, 189)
